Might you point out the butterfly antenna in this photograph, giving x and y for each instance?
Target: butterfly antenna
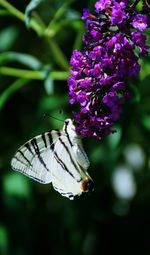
(45, 115)
(61, 112)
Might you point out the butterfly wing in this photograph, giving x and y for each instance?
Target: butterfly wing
(80, 154)
(57, 157)
(33, 159)
(76, 144)
(67, 175)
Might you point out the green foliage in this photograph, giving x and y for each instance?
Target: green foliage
(34, 67)
(8, 37)
(49, 85)
(24, 59)
(31, 6)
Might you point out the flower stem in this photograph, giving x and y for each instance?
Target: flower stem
(12, 10)
(58, 54)
(36, 75)
(20, 16)
(58, 14)
(27, 74)
(59, 57)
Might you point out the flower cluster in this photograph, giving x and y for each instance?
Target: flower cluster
(113, 45)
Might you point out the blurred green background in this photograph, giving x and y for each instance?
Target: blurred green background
(35, 219)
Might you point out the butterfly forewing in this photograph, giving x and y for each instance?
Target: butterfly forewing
(34, 157)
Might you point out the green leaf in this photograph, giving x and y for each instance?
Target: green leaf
(49, 85)
(31, 6)
(58, 15)
(48, 79)
(22, 58)
(7, 37)
(72, 14)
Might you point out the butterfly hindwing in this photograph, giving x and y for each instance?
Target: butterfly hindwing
(66, 175)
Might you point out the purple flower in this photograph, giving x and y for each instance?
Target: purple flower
(101, 4)
(96, 71)
(96, 35)
(118, 16)
(96, 53)
(139, 39)
(72, 83)
(76, 60)
(105, 80)
(140, 21)
(119, 6)
(73, 97)
(118, 87)
(86, 13)
(99, 75)
(111, 43)
(82, 98)
(116, 111)
(86, 84)
(108, 98)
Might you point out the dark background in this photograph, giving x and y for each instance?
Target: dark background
(35, 219)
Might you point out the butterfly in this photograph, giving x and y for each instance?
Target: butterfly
(56, 157)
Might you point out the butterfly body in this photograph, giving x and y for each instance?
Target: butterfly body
(57, 157)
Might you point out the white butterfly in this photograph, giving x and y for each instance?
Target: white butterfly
(57, 157)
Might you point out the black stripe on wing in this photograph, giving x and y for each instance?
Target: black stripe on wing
(67, 150)
(28, 147)
(59, 161)
(51, 141)
(22, 154)
(66, 131)
(19, 160)
(63, 165)
(44, 139)
(37, 151)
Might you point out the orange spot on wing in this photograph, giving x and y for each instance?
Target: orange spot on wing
(83, 186)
